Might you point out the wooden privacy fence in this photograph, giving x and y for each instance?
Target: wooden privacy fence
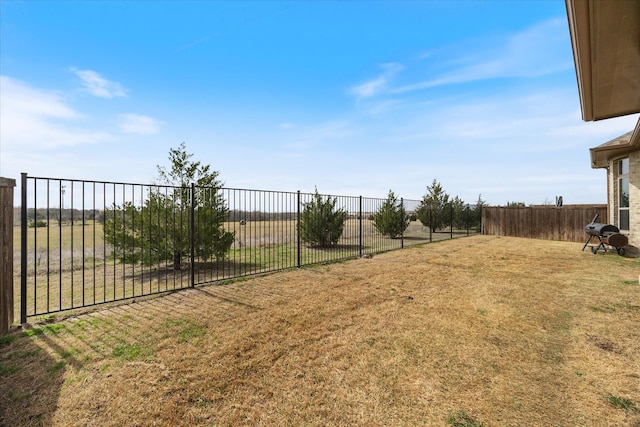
(6, 253)
(542, 222)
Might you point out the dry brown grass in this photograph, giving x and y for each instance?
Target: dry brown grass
(70, 266)
(498, 331)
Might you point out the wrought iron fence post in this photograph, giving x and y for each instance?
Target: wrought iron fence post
(23, 249)
(192, 234)
(402, 220)
(451, 215)
(360, 227)
(430, 222)
(467, 218)
(299, 241)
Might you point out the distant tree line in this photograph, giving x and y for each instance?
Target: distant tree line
(241, 215)
(58, 216)
(55, 215)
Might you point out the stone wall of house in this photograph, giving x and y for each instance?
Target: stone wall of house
(634, 199)
(634, 196)
(612, 188)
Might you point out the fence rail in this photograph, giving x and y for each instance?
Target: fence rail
(541, 222)
(91, 242)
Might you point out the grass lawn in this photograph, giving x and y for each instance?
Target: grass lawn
(72, 266)
(482, 331)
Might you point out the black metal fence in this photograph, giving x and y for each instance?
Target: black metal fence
(87, 242)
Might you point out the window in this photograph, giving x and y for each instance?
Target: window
(623, 194)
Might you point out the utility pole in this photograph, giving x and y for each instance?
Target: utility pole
(62, 188)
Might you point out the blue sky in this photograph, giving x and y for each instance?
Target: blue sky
(356, 98)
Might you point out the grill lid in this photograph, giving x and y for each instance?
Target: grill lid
(596, 229)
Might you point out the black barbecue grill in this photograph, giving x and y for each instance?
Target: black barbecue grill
(607, 235)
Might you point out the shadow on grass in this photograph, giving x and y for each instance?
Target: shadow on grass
(416, 238)
(32, 371)
(94, 350)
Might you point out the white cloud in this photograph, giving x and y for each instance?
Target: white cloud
(18, 96)
(524, 144)
(598, 132)
(369, 88)
(139, 124)
(517, 120)
(97, 85)
(378, 84)
(382, 107)
(34, 119)
(538, 50)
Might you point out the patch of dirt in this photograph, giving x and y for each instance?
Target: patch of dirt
(602, 343)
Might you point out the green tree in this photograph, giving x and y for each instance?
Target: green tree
(476, 214)
(391, 220)
(460, 213)
(433, 210)
(161, 229)
(321, 224)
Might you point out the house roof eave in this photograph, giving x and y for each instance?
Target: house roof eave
(604, 37)
(601, 154)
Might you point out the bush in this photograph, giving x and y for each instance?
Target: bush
(138, 239)
(391, 220)
(36, 224)
(321, 224)
(460, 213)
(435, 209)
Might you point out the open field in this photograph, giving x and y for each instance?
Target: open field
(481, 331)
(254, 233)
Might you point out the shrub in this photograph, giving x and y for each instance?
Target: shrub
(321, 224)
(391, 220)
(36, 224)
(137, 238)
(435, 210)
